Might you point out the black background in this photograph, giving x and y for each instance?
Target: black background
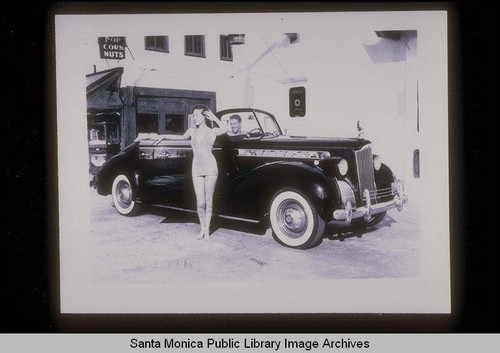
(29, 252)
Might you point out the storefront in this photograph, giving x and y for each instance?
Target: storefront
(159, 111)
(104, 112)
(116, 116)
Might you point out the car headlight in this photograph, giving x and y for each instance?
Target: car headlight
(343, 167)
(377, 162)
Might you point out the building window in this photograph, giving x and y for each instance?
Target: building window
(194, 45)
(174, 124)
(226, 52)
(416, 163)
(156, 43)
(147, 123)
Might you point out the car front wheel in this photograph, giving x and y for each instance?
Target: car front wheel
(294, 219)
(123, 196)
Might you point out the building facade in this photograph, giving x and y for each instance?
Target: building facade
(352, 82)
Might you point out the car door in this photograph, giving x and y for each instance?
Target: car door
(166, 178)
(222, 151)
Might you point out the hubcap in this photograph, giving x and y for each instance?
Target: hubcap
(291, 218)
(124, 194)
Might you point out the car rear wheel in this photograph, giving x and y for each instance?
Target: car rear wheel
(294, 220)
(124, 196)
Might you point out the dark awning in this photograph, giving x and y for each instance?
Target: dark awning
(103, 90)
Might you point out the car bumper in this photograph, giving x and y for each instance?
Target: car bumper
(348, 213)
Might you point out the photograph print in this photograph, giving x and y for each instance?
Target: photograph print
(253, 162)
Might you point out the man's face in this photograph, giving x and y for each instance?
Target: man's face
(235, 126)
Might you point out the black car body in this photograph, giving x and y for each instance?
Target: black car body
(297, 183)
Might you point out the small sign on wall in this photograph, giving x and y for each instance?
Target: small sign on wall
(112, 47)
(297, 101)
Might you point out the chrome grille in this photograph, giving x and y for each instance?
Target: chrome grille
(364, 169)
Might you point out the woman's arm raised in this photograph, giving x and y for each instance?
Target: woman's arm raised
(222, 128)
(185, 136)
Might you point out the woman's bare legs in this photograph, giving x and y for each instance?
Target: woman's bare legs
(199, 189)
(210, 182)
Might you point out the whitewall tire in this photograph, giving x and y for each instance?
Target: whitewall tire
(124, 196)
(294, 219)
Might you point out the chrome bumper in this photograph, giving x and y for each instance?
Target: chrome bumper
(348, 213)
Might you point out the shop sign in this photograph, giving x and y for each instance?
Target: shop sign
(236, 39)
(112, 47)
(297, 101)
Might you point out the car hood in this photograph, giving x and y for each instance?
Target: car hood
(303, 142)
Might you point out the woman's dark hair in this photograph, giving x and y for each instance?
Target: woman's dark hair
(203, 109)
(198, 106)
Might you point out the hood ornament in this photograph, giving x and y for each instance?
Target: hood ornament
(361, 130)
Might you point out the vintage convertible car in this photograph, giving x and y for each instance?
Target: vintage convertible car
(297, 183)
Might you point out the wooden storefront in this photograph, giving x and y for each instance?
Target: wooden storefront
(157, 110)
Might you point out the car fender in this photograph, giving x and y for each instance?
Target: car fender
(343, 190)
(384, 177)
(253, 191)
(125, 162)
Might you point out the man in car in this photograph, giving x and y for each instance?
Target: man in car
(235, 125)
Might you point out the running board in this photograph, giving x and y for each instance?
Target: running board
(216, 215)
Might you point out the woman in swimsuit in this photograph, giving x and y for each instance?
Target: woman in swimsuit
(204, 169)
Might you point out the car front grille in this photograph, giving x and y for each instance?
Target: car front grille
(366, 177)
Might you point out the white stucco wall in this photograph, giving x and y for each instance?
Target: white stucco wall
(343, 83)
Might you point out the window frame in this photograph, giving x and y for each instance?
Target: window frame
(157, 48)
(190, 41)
(224, 45)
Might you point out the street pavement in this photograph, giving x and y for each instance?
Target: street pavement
(160, 246)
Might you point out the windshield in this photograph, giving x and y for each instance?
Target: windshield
(250, 123)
